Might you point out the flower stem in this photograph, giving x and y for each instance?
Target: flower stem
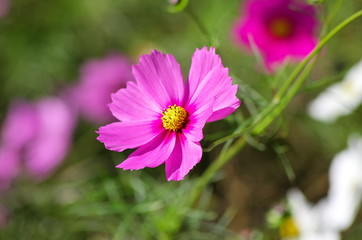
(274, 108)
(264, 115)
(321, 44)
(281, 105)
(225, 155)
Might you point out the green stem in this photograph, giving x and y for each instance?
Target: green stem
(321, 44)
(285, 162)
(261, 123)
(223, 158)
(265, 113)
(239, 132)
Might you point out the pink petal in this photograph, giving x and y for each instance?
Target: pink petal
(220, 114)
(184, 157)
(303, 45)
(151, 154)
(203, 61)
(252, 30)
(98, 80)
(209, 81)
(130, 104)
(159, 77)
(197, 120)
(21, 118)
(119, 136)
(50, 146)
(225, 104)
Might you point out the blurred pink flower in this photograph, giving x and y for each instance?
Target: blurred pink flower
(99, 78)
(4, 7)
(163, 117)
(36, 136)
(278, 29)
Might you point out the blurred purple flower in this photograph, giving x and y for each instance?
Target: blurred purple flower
(278, 29)
(163, 116)
(99, 78)
(36, 136)
(4, 7)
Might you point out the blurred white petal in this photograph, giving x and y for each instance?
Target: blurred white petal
(337, 211)
(339, 99)
(345, 191)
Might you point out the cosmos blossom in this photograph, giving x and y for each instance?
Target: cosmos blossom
(35, 136)
(98, 79)
(163, 116)
(339, 99)
(278, 30)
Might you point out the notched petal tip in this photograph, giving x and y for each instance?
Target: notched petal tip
(153, 53)
(100, 134)
(175, 178)
(211, 51)
(125, 166)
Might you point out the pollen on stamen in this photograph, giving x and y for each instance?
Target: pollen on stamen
(174, 118)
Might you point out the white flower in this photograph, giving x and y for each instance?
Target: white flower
(345, 193)
(335, 213)
(339, 99)
(308, 218)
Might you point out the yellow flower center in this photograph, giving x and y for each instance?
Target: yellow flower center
(288, 228)
(174, 118)
(281, 27)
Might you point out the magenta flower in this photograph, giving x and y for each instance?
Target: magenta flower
(278, 29)
(163, 117)
(99, 78)
(36, 136)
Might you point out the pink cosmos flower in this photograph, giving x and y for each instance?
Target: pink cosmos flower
(35, 135)
(278, 29)
(99, 78)
(163, 117)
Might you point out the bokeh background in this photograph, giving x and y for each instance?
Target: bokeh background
(43, 46)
